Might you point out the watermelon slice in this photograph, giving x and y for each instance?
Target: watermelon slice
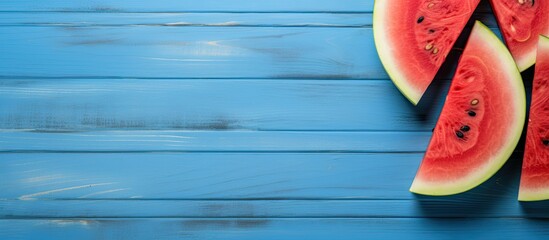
(534, 182)
(521, 21)
(413, 38)
(480, 123)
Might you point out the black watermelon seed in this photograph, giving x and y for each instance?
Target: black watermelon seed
(472, 113)
(420, 19)
(465, 128)
(431, 30)
(533, 2)
(545, 142)
(459, 134)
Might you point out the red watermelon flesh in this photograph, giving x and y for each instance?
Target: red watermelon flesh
(534, 182)
(521, 22)
(413, 38)
(480, 123)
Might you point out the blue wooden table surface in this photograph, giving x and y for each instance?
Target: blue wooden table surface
(235, 119)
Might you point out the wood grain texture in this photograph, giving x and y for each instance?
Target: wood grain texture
(207, 175)
(222, 175)
(244, 228)
(75, 19)
(214, 141)
(171, 52)
(206, 104)
(168, 52)
(260, 209)
(187, 5)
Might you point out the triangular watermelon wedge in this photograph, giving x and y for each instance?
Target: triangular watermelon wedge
(413, 38)
(521, 22)
(534, 182)
(481, 121)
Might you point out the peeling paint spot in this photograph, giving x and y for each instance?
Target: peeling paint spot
(230, 23)
(33, 195)
(44, 178)
(71, 222)
(178, 24)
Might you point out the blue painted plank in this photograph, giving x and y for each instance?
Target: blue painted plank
(214, 141)
(168, 52)
(505, 208)
(71, 19)
(247, 175)
(206, 175)
(205, 104)
(269, 228)
(187, 5)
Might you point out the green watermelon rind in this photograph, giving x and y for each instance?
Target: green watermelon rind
(496, 162)
(384, 51)
(526, 195)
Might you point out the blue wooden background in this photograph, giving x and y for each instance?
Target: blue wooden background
(232, 119)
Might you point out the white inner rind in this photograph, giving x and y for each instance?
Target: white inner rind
(387, 55)
(508, 68)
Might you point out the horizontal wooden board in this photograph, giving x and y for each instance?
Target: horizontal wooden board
(206, 175)
(206, 104)
(73, 19)
(193, 52)
(237, 176)
(269, 228)
(186, 5)
(213, 141)
(167, 52)
(416, 208)
(190, 6)
(187, 19)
